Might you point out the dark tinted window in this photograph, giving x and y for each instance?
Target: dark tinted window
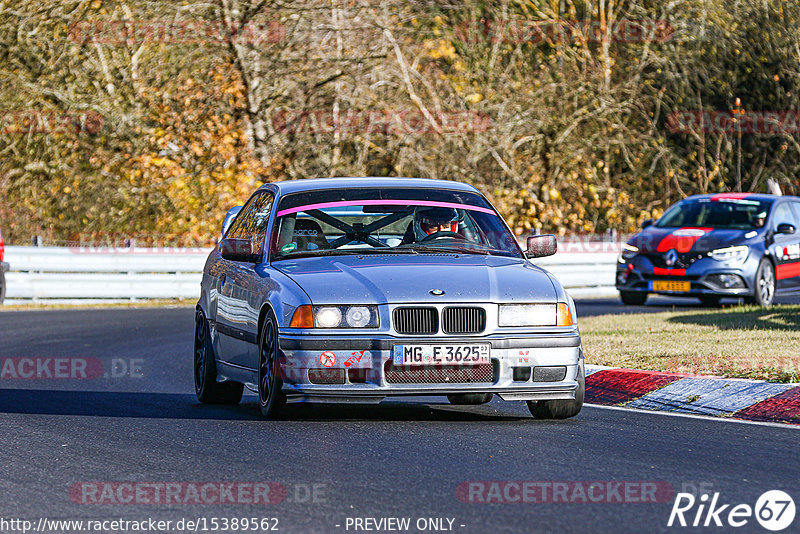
(251, 223)
(734, 214)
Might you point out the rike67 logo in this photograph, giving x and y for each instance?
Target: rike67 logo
(774, 510)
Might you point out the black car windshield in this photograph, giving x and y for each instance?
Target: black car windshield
(389, 220)
(722, 213)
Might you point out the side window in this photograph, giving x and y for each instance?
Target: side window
(796, 206)
(783, 214)
(252, 221)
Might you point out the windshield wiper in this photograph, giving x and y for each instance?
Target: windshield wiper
(344, 252)
(451, 250)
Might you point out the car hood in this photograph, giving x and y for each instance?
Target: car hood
(688, 239)
(373, 279)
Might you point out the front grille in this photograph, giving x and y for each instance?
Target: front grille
(683, 261)
(326, 376)
(463, 320)
(438, 374)
(416, 320)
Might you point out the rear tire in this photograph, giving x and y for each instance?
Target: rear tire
(712, 301)
(561, 409)
(470, 399)
(633, 298)
(271, 399)
(206, 387)
(764, 285)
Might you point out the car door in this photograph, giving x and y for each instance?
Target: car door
(239, 289)
(786, 246)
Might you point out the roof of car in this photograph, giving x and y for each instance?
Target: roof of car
(310, 184)
(750, 196)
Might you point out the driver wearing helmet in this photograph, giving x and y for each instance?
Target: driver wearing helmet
(430, 221)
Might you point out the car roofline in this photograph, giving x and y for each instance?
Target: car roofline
(318, 184)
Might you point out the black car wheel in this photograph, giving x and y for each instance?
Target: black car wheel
(2, 286)
(561, 409)
(764, 284)
(270, 397)
(208, 390)
(466, 399)
(633, 298)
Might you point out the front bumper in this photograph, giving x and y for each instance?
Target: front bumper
(365, 380)
(703, 277)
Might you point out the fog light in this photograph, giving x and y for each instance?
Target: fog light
(727, 281)
(521, 374)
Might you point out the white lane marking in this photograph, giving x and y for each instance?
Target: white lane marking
(695, 416)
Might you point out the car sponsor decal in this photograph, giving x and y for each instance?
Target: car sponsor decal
(344, 203)
(682, 239)
(729, 196)
(354, 358)
(327, 358)
(660, 271)
(792, 252)
(787, 270)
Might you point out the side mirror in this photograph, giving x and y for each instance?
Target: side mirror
(543, 245)
(647, 222)
(234, 249)
(226, 222)
(786, 228)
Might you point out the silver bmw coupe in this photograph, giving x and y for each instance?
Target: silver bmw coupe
(352, 290)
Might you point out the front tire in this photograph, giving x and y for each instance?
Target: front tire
(633, 298)
(764, 285)
(470, 399)
(561, 409)
(206, 387)
(271, 399)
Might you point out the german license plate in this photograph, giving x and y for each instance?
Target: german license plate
(472, 354)
(671, 285)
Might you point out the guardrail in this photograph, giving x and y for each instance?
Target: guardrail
(42, 273)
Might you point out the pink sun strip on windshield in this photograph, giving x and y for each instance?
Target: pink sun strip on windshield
(427, 203)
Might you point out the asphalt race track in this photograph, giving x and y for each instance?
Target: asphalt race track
(141, 422)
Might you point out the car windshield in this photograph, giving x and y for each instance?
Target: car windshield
(722, 213)
(391, 220)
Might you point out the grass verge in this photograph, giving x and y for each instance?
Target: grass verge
(735, 342)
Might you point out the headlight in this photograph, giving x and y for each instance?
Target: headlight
(628, 252)
(734, 254)
(327, 317)
(345, 316)
(527, 315)
(358, 316)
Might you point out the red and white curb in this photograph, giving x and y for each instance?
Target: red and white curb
(752, 400)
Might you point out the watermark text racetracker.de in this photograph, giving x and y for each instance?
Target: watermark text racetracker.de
(69, 368)
(567, 491)
(735, 121)
(175, 32)
(195, 492)
(198, 524)
(19, 122)
(565, 31)
(389, 122)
